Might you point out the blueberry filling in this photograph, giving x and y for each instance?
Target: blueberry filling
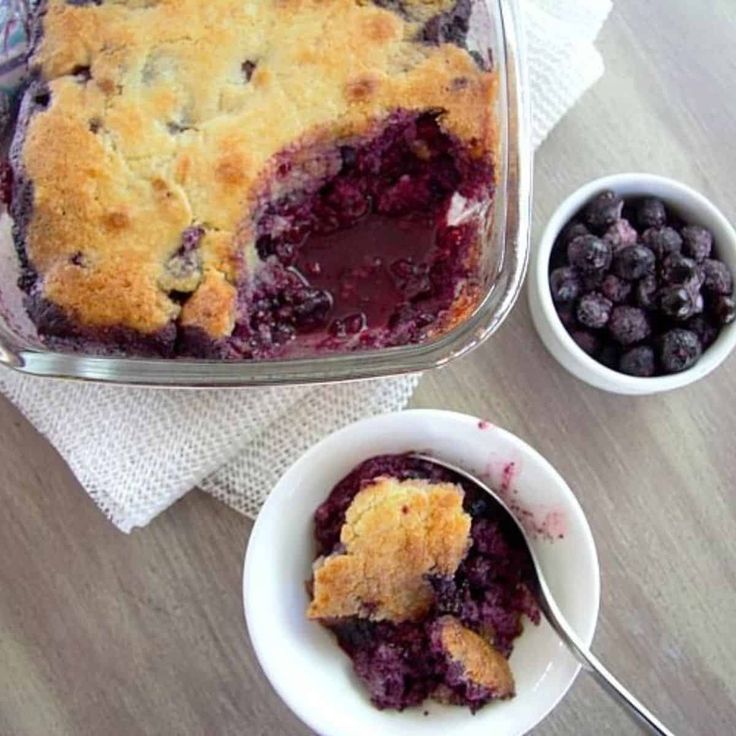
(186, 259)
(367, 259)
(399, 663)
(452, 26)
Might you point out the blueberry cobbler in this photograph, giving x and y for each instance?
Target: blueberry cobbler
(422, 582)
(251, 179)
(639, 289)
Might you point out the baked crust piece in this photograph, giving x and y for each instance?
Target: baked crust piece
(395, 534)
(480, 663)
(150, 118)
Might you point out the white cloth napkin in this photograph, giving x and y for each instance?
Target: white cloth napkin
(137, 450)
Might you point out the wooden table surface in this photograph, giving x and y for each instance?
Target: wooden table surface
(102, 633)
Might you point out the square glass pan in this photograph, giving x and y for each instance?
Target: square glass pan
(504, 255)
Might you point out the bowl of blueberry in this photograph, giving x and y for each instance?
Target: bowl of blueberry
(631, 286)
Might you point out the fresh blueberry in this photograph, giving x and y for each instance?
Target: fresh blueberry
(646, 292)
(678, 269)
(589, 254)
(593, 281)
(621, 234)
(678, 303)
(603, 211)
(633, 262)
(587, 341)
(571, 231)
(638, 361)
(704, 329)
(628, 325)
(594, 310)
(718, 277)
(697, 242)
(564, 284)
(651, 212)
(679, 349)
(615, 289)
(664, 241)
(724, 309)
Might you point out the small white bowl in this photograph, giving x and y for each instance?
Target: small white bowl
(302, 659)
(691, 207)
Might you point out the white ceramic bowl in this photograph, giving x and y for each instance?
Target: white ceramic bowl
(302, 659)
(693, 208)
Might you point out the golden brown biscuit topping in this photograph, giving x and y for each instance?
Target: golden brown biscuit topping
(395, 534)
(164, 115)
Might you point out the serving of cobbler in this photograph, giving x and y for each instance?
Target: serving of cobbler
(422, 582)
(252, 179)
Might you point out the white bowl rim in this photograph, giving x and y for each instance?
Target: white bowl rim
(271, 504)
(712, 357)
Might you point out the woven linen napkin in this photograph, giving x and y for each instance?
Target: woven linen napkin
(137, 450)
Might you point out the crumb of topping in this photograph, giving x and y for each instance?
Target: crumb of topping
(481, 663)
(395, 534)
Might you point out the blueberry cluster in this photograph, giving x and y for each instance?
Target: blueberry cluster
(639, 290)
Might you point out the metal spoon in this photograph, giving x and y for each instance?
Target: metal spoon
(647, 720)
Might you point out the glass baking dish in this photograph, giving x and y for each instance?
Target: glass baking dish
(504, 254)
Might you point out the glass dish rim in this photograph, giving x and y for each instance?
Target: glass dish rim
(339, 367)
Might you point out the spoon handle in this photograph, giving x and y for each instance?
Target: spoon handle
(646, 719)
